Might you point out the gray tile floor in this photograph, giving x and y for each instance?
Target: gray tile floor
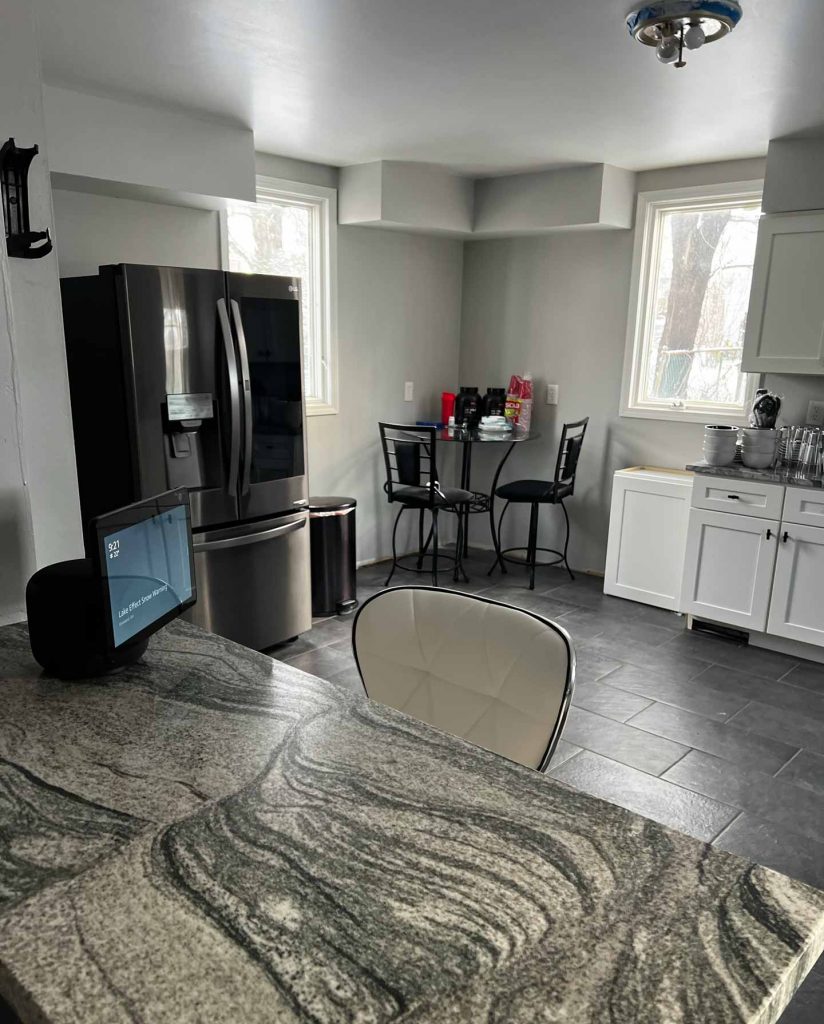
(720, 740)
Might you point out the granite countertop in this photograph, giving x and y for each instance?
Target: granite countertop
(777, 475)
(211, 835)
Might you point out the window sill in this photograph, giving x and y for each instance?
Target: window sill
(315, 407)
(702, 416)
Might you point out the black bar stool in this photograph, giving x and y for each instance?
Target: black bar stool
(410, 457)
(541, 492)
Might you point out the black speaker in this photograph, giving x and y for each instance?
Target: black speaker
(67, 622)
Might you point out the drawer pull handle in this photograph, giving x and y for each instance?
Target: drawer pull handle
(786, 537)
(769, 534)
(734, 497)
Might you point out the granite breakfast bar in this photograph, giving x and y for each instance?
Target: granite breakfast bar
(213, 836)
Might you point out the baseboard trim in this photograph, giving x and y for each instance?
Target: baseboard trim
(782, 645)
(768, 642)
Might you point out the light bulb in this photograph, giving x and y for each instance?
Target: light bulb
(694, 37)
(667, 50)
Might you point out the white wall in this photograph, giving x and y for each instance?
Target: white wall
(94, 230)
(569, 198)
(406, 196)
(39, 513)
(98, 137)
(399, 303)
(399, 308)
(558, 306)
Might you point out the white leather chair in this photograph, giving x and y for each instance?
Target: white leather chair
(498, 676)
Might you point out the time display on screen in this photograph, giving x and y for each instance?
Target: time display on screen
(153, 575)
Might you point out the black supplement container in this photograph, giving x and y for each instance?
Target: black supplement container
(494, 402)
(468, 408)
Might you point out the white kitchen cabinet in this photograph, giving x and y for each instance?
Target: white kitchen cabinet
(785, 323)
(648, 535)
(728, 567)
(797, 606)
(804, 505)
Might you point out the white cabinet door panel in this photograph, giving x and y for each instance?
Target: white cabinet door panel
(728, 568)
(797, 607)
(647, 536)
(785, 323)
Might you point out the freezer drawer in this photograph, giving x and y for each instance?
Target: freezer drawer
(253, 581)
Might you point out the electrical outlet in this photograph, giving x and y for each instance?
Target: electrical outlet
(815, 414)
(552, 394)
(409, 391)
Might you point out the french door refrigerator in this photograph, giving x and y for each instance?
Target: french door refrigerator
(194, 378)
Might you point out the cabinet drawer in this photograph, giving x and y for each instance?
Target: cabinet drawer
(745, 497)
(804, 505)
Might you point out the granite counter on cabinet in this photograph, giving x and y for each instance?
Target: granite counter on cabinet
(211, 835)
(776, 475)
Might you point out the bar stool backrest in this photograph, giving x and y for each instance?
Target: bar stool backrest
(569, 451)
(498, 676)
(410, 458)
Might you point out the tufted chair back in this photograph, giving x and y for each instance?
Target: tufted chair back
(498, 676)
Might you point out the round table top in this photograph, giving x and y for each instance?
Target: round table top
(486, 437)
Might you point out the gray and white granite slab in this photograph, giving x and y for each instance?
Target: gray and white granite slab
(776, 475)
(213, 836)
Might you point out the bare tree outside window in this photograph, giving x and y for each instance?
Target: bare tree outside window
(274, 238)
(290, 233)
(698, 258)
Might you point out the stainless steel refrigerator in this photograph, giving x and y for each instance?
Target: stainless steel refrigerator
(194, 378)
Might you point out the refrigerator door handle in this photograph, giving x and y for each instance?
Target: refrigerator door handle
(234, 397)
(245, 484)
(249, 538)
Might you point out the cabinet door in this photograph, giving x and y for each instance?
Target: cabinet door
(728, 568)
(797, 606)
(647, 537)
(785, 323)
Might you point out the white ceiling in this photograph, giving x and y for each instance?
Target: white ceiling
(484, 86)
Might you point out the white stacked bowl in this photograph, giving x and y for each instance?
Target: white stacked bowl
(719, 445)
(758, 446)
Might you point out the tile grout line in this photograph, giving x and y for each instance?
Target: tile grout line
(717, 836)
(786, 765)
(678, 760)
(615, 799)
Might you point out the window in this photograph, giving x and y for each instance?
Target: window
(290, 230)
(694, 252)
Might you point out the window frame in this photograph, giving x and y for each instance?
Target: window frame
(323, 202)
(644, 270)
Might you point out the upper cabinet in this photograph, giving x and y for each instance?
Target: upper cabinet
(785, 324)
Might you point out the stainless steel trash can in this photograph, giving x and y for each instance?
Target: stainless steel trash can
(332, 538)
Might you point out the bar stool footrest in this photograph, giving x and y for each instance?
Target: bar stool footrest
(442, 555)
(505, 555)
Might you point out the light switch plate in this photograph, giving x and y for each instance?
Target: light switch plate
(552, 394)
(409, 391)
(815, 414)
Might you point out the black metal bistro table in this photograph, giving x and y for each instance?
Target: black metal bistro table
(482, 502)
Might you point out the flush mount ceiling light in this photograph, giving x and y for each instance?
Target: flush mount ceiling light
(673, 25)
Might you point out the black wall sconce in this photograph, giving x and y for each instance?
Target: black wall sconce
(14, 172)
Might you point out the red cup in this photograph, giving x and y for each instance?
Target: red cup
(447, 406)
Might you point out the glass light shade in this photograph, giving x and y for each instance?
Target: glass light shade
(694, 37)
(667, 50)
